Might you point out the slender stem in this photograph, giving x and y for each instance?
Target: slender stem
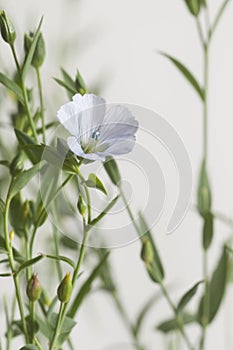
(32, 314)
(41, 102)
(126, 320)
(56, 243)
(218, 18)
(63, 309)
(163, 288)
(11, 262)
(57, 326)
(25, 95)
(178, 319)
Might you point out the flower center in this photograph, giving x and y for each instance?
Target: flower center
(95, 135)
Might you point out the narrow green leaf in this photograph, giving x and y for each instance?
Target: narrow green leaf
(86, 287)
(60, 258)
(112, 170)
(6, 274)
(29, 347)
(187, 74)
(68, 88)
(208, 230)
(94, 182)
(66, 328)
(204, 191)
(187, 297)
(11, 85)
(30, 53)
(22, 179)
(29, 263)
(25, 140)
(68, 80)
(172, 324)
(149, 253)
(104, 212)
(217, 287)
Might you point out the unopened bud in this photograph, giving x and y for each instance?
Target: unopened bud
(39, 54)
(194, 6)
(147, 253)
(11, 235)
(64, 289)
(34, 288)
(81, 206)
(7, 29)
(79, 84)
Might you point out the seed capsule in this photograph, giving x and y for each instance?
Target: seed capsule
(34, 288)
(64, 289)
(7, 29)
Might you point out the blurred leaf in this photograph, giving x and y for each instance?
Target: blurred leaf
(144, 311)
(16, 214)
(17, 256)
(172, 324)
(29, 262)
(24, 140)
(11, 85)
(187, 74)
(112, 170)
(2, 206)
(61, 258)
(86, 287)
(29, 347)
(53, 157)
(31, 51)
(154, 265)
(66, 328)
(208, 230)
(20, 181)
(94, 182)
(69, 243)
(217, 287)
(204, 191)
(104, 212)
(187, 297)
(70, 90)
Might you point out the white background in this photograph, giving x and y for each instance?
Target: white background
(117, 42)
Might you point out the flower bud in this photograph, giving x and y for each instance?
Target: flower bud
(147, 253)
(81, 206)
(64, 289)
(34, 288)
(7, 29)
(11, 235)
(79, 84)
(194, 6)
(39, 54)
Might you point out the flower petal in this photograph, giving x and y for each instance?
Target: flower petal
(117, 146)
(82, 115)
(118, 123)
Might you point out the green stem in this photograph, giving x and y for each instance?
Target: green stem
(218, 18)
(57, 326)
(126, 320)
(163, 288)
(41, 103)
(11, 263)
(32, 314)
(25, 95)
(178, 319)
(63, 309)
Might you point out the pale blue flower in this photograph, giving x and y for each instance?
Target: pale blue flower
(97, 132)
